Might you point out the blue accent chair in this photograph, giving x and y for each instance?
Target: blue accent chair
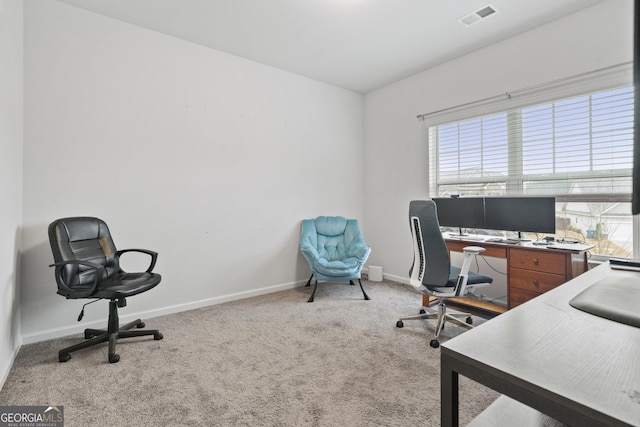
(335, 250)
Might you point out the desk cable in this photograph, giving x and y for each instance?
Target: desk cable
(489, 265)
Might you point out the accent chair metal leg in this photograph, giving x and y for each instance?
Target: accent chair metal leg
(315, 287)
(366, 297)
(314, 291)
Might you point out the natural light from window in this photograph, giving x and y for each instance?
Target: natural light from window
(578, 150)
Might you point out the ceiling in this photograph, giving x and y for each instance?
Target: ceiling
(359, 45)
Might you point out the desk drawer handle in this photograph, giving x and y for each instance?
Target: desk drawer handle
(535, 261)
(536, 283)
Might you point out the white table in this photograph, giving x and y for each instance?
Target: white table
(559, 361)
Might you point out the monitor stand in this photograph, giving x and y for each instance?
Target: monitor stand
(522, 239)
(460, 233)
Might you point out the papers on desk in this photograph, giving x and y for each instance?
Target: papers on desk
(570, 246)
(474, 238)
(579, 247)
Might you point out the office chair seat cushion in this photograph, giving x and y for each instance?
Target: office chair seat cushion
(126, 284)
(474, 279)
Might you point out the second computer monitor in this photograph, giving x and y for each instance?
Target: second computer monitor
(522, 214)
(460, 212)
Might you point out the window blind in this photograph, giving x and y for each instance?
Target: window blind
(576, 148)
(592, 81)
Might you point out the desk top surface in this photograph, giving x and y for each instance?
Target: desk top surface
(566, 354)
(482, 240)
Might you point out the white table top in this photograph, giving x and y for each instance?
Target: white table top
(580, 361)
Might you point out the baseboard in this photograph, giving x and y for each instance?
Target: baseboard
(218, 300)
(394, 278)
(7, 369)
(149, 314)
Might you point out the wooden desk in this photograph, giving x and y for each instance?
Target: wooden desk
(561, 362)
(531, 270)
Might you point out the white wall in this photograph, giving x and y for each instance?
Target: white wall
(11, 138)
(209, 159)
(212, 160)
(396, 142)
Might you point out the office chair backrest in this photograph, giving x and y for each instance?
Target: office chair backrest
(423, 220)
(82, 239)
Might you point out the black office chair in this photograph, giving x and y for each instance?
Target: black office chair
(87, 266)
(432, 272)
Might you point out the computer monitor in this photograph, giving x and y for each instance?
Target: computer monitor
(521, 214)
(461, 212)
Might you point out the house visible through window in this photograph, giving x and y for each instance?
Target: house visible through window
(578, 150)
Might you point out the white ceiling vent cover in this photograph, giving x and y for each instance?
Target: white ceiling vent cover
(478, 15)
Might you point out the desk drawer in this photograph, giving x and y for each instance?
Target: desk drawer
(494, 251)
(534, 281)
(549, 262)
(518, 296)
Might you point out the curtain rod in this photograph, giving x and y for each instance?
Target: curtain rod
(507, 95)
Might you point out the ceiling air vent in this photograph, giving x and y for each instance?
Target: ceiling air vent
(478, 15)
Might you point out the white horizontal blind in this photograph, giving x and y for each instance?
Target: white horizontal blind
(593, 81)
(474, 151)
(582, 145)
(578, 148)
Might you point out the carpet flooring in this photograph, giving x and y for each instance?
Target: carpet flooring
(272, 360)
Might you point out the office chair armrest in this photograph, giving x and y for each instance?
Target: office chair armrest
(475, 250)
(469, 252)
(70, 292)
(152, 254)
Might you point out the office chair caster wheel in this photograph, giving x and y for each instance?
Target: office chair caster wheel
(114, 358)
(64, 357)
(158, 336)
(469, 321)
(423, 311)
(140, 325)
(400, 324)
(434, 343)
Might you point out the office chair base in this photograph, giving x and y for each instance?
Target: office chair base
(112, 334)
(442, 317)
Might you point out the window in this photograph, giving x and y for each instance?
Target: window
(577, 149)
